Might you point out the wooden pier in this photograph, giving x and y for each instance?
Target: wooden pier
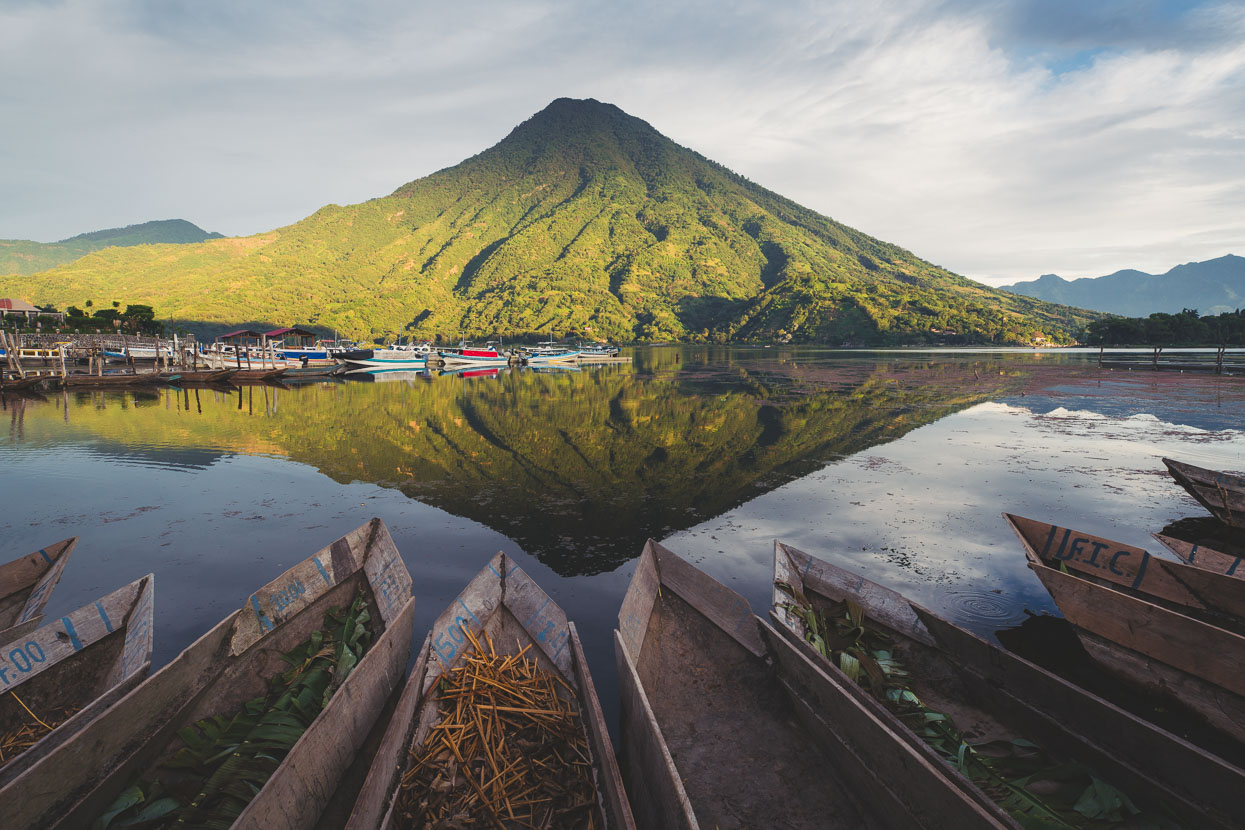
(1220, 361)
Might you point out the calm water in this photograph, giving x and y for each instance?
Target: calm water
(896, 464)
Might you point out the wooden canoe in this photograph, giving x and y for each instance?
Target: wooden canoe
(231, 664)
(1203, 557)
(989, 690)
(1223, 494)
(256, 375)
(85, 661)
(1174, 649)
(26, 586)
(108, 381)
(21, 384)
(209, 376)
(725, 723)
(506, 603)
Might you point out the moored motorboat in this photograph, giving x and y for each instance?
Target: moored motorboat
(713, 697)
(410, 359)
(1223, 494)
(969, 690)
(1166, 626)
(63, 675)
(129, 747)
(476, 356)
(26, 585)
(1200, 556)
(504, 607)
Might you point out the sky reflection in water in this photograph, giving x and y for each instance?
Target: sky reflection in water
(897, 465)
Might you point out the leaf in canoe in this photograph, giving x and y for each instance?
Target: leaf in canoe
(129, 797)
(159, 808)
(850, 666)
(1102, 801)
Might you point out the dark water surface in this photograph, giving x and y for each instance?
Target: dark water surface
(897, 464)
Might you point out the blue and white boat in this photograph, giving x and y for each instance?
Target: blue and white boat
(550, 355)
(399, 358)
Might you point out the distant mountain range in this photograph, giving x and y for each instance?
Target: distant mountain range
(21, 256)
(583, 221)
(1211, 287)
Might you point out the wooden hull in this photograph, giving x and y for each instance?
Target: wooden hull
(21, 384)
(1223, 494)
(213, 376)
(1202, 594)
(252, 375)
(1152, 644)
(26, 585)
(228, 666)
(503, 601)
(970, 676)
(108, 381)
(703, 712)
(1207, 559)
(86, 660)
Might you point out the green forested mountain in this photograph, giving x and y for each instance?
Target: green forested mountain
(21, 256)
(584, 220)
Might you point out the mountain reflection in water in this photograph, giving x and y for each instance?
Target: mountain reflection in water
(577, 468)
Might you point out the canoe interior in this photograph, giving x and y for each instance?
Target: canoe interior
(26, 584)
(1206, 558)
(993, 695)
(1211, 597)
(698, 691)
(725, 721)
(108, 654)
(505, 604)
(230, 665)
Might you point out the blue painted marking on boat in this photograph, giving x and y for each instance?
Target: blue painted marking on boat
(73, 634)
(537, 614)
(1050, 538)
(566, 639)
(264, 622)
(103, 615)
(1232, 570)
(807, 568)
(1192, 554)
(1141, 571)
(46, 558)
(494, 570)
(469, 611)
(323, 572)
(513, 568)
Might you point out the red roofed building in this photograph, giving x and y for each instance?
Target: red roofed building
(21, 307)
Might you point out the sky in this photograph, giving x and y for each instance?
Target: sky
(1001, 140)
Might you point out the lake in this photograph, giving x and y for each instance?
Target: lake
(896, 464)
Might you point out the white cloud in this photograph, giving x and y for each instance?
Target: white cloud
(938, 126)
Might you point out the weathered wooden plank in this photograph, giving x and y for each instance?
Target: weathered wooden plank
(26, 585)
(88, 674)
(1140, 755)
(1196, 648)
(374, 803)
(1132, 568)
(1203, 557)
(723, 607)
(903, 786)
(610, 784)
(798, 569)
(653, 781)
(503, 602)
(1223, 494)
(70, 786)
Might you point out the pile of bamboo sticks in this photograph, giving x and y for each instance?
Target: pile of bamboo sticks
(27, 733)
(507, 752)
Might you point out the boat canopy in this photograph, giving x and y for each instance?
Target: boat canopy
(241, 337)
(292, 336)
